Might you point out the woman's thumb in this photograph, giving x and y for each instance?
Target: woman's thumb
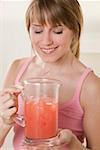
(65, 136)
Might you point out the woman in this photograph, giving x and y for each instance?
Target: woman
(54, 29)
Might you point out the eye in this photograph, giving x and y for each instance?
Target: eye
(37, 29)
(38, 32)
(58, 32)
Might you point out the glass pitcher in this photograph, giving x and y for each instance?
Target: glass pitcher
(40, 119)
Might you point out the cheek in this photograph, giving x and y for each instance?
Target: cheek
(66, 41)
(35, 41)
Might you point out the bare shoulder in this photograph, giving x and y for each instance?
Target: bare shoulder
(13, 71)
(91, 89)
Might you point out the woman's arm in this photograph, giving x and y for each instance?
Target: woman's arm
(4, 129)
(91, 104)
(8, 103)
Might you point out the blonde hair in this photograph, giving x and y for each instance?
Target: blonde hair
(56, 12)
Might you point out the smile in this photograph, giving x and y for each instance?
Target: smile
(48, 50)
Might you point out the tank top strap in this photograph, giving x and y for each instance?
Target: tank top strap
(22, 69)
(81, 81)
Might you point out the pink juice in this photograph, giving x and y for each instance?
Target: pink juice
(41, 118)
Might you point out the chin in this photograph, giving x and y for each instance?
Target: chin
(49, 60)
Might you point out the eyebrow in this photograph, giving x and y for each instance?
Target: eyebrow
(37, 25)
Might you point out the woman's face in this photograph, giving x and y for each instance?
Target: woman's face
(50, 42)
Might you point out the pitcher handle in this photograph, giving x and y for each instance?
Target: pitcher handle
(19, 119)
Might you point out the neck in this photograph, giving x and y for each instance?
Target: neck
(64, 62)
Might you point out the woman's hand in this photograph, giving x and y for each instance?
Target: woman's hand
(9, 104)
(66, 136)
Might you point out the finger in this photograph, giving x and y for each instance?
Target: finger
(7, 97)
(10, 112)
(19, 86)
(12, 90)
(65, 136)
(8, 116)
(9, 104)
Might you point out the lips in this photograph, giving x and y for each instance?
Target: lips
(48, 50)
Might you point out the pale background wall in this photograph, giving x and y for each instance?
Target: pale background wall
(14, 41)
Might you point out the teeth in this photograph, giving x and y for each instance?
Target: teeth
(47, 50)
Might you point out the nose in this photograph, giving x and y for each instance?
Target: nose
(47, 39)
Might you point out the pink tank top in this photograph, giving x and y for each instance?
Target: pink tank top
(70, 113)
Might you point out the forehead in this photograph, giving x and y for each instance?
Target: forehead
(44, 20)
(37, 23)
(44, 15)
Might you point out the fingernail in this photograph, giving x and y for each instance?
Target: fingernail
(19, 87)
